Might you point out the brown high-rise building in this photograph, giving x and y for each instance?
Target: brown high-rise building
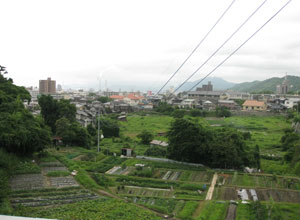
(208, 87)
(47, 86)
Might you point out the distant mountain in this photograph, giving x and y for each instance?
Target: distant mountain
(267, 85)
(218, 84)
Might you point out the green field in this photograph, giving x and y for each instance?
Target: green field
(266, 132)
(91, 210)
(167, 188)
(153, 123)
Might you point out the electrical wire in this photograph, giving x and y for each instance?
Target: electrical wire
(220, 64)
(196, 47)
(216, 51)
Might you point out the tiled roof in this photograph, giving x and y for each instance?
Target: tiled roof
(134, 97)
(253, 103)
(116, 97)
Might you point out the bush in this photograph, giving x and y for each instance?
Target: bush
(102, 180)
(223, 112)
(178, 113)
(144, 172)
(156, 151)
(193, 187)
(27, 167)
(145, 137)
(188, 210)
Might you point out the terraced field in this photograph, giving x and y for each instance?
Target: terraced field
(50, 197)
(258, 180)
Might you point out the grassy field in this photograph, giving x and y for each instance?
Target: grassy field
(265, 131)
(153, 123)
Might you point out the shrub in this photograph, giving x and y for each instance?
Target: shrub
(145, 136)
(58, 173)
(102, 180)
(188, 210)
(156, 151)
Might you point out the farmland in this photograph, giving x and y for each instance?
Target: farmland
(110, 187)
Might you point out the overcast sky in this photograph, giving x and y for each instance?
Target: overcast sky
(139, 42)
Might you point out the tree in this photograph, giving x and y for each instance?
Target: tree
(188, 141)
(52, 110)
(197, 113)
(221, 148)
(66, 109)
(20, 132)
(72, 134)
(109, 127)
(49, 110)
(145, 136)
(257, 156)
(156, 151)
(164, 108)
(104, 99)
(178, 113)
(223, 112)
(91, 130)
(229, 149)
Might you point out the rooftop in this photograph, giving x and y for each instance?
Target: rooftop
(253, 103)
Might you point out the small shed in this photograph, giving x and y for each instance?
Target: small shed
(122, 118)
(242, 193)
(253, 194)
(57, 141)
(128, 152)
(158, 143)
(159, 134)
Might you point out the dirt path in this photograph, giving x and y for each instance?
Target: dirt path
(199, 209)
(212, 187)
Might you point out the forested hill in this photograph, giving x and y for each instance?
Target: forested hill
(267, 85)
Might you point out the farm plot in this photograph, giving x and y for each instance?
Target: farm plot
(168, 206)
(171, 175)
(50, 197)
(213, 210)
(278, 195)
(44, 179)
(102, 208)
(145, 192)
(27, 182)
(185, 175)
(248, 180)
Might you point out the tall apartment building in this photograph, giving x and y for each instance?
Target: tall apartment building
(47, 87)
(208, 87)
(283, 88)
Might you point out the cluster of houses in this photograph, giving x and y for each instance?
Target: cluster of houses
(210, 100)
(203, 98)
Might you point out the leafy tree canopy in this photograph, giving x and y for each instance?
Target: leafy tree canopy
(104, 99)
(52, 110)
(20, 132)
(109, 127)
(222, 148)
(145, 136)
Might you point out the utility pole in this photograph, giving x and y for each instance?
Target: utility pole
(99, 130)
(99, 114)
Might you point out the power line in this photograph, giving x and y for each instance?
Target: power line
(216, 51)
(196, 47)
(241, 45)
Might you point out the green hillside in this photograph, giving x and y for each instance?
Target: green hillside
(267, 85)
